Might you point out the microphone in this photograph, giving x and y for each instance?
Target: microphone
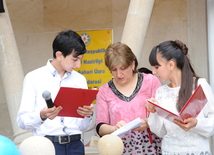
(47, 96)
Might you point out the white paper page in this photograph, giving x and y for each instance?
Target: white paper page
(131, 125)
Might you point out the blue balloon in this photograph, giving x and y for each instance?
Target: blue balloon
(7, 147)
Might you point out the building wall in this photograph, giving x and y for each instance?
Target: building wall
(36, 23)
(184, 20)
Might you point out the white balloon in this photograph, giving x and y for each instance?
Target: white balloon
(110, 145)
(36, 145)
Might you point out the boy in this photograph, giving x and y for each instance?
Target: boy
(64, 132)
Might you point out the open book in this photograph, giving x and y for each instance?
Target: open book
(191, 109)
(72, 98)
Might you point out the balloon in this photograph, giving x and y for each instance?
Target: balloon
(37, 145)
(110, 145)
(7, 146)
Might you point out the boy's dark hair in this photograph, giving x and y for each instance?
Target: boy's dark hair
(67, 42)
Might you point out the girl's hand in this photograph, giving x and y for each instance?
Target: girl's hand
(189, 123)
(151, 107)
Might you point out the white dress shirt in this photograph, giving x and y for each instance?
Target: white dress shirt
(35, 83)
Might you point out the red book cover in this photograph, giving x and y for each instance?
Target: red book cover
(191, 109)
(72, 98)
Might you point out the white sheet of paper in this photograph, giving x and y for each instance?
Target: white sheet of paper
(131, 125)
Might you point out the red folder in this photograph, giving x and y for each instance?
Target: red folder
(72, 98)
(191, 109)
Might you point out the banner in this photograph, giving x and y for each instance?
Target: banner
(93, 63)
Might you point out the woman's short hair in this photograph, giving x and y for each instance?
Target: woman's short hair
(120, 54)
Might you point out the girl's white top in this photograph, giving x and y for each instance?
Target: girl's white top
(175, 139)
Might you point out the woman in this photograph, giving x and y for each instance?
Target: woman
(170, 62)
(123, 99)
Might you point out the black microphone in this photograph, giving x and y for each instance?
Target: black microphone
(47, 96)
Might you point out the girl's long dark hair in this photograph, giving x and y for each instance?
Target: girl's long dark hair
(177, 51)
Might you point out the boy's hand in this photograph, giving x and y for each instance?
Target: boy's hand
(50, 113)
(86, 110)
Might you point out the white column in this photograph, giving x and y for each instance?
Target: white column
(11, 72)
(210, 32)
(136, 25)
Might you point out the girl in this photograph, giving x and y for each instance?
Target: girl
(170, 62)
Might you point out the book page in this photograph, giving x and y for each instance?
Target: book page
(195, 104)
(191, 109)
(131, 125)
(165, 113)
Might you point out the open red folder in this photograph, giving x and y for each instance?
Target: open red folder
(72, 98)
(191, 109)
